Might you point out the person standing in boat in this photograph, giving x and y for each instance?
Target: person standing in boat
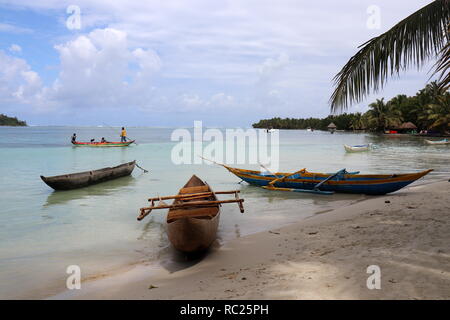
(123, 135)
(74, 137)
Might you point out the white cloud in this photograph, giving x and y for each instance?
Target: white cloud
(279, 56)
(15, 48)
(271, 65)
(10, 28)
(100, 69)
(18, 83)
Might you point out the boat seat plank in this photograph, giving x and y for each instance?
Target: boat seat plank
(196, 189)
(203, 213)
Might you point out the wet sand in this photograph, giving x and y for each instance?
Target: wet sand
(406, 234)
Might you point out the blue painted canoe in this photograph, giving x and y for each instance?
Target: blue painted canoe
(341, 181)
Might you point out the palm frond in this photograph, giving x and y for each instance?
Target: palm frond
(443, 67)
(412, 41)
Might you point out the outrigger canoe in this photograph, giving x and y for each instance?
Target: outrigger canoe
(193, 217)
(87, 178)
(328, 183)
(102, 144)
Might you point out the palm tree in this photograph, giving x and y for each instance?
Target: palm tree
(357, 122)
(382, 115)
(437, 115)
(412, 41)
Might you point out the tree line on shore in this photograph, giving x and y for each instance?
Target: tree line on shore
(11, 121)
(428, 109)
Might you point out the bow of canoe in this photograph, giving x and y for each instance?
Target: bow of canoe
(87, 178)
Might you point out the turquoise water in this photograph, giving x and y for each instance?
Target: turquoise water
(43, 231)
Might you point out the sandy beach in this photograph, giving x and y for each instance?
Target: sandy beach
(406, 234)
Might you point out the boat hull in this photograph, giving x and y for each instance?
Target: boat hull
(440, 142)
(193, 234)
(356, 148)
(346, 183)
(102, 144)
(87, 178)
(193, 229)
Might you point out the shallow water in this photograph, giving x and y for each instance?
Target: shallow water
(43, 231)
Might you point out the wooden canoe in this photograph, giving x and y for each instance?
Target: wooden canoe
(342, 181)
(103, 144)
(87, 178)
(193, 229)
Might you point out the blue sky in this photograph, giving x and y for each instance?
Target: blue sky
(168, 63)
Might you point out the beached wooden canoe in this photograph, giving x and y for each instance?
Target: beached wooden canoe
(195, 228)
(326, 183)
(193, 217)
(438, 142)
(357, 148)
(103, 144)
(87, 178)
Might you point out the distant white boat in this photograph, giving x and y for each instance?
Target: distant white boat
(270, 130)
(444, 141)
(358, 148)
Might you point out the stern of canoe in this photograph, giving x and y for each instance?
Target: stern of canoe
(195, 228)
(193, 234)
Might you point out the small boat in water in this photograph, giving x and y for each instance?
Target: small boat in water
(193, 217)
(438, 142)
(328, 183)
(358, 148)
(87, 178)
(103, 144)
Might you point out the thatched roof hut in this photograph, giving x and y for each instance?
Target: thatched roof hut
(408, 126)
(332, 126)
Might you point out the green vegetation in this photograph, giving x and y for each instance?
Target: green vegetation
(429, 109)
(9, 121)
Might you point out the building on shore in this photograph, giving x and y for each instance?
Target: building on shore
(332, 127)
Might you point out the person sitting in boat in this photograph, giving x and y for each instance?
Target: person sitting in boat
(123, 135)
(92, 140)
(103, 140)
(74, 137)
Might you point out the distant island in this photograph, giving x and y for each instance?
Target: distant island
(428, 110)
(11, 121)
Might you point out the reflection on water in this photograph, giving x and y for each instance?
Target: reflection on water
(104, 188)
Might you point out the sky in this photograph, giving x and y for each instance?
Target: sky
(227, 63)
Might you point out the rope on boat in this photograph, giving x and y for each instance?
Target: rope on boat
(215, 162)
(145, 171)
